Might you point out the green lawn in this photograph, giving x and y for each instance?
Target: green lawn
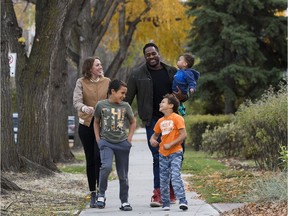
(214, 181)
(80, 166)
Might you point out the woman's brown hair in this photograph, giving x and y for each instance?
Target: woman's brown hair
(87, 65)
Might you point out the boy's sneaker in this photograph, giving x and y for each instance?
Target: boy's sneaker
(100, 202)
(93, 199)
(183, 204)
(166, 208)
(182, 109)
(156, 198)
(125, 207)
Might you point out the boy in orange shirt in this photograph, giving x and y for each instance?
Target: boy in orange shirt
(172, 129)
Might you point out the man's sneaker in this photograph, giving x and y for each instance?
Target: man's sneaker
(172, 197)
(173, 200)
(183, 204)
(100, 202)
(93, 199)
(156, 198)
(166, 208)
(125, 207)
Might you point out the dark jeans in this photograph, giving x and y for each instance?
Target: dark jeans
(155, 153)
(92, 154)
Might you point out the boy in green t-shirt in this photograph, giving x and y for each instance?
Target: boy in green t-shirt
(111, 116)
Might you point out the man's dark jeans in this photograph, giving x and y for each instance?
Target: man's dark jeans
(155, 153)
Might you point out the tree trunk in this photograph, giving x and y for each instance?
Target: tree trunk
(7, 185)
(33, 90)
(9, 156)
(59, 102)
(92, 23)
(229, 96)
(58, 106)
(229, 106)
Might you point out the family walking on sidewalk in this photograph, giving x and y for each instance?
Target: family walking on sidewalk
(109, 127)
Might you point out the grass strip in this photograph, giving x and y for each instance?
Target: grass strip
(214, 181)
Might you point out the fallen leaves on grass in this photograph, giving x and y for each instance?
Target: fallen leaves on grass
(62, 193)
(262, 209)
(225, 186)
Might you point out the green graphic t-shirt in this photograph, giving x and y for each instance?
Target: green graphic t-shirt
(114, 120)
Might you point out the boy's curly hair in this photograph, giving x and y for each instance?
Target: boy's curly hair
(172, 99)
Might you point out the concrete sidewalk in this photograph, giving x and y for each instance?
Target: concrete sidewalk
(141, 186)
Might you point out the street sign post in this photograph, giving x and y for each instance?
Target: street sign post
(12, 63)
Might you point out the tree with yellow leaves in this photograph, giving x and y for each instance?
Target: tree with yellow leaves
(165, 24)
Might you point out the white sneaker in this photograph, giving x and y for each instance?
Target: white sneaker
(101, 202)
(166, 208)
(125, 207)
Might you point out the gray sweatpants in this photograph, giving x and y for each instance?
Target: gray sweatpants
(121, 152)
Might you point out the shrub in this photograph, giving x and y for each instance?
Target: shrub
(225, 140)
(199, 123)
(283, 157)
(264, 125)
(258, 131)
(272, 189)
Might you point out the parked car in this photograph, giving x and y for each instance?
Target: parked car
(15, 126)
(71, 126)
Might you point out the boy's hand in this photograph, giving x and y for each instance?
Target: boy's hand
(167, 146)
(129, 139)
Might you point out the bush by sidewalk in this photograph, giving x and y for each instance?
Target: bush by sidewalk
(258, 131)
(197, 125)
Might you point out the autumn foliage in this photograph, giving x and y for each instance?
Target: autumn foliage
(165, 24)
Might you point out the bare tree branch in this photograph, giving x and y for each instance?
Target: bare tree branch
(100, 29)
(125, 38)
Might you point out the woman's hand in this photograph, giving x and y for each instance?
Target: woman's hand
(87, 109)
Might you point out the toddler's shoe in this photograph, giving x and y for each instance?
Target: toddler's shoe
(182, 109)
